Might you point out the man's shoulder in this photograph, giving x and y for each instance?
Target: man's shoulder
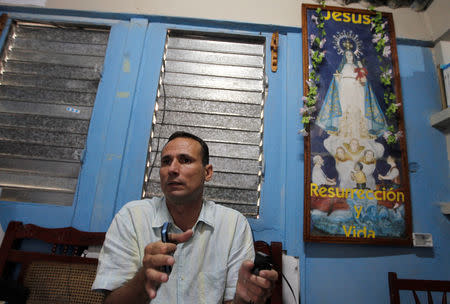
(147, 203)
(223, 212)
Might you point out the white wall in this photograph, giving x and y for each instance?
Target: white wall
(426, 26)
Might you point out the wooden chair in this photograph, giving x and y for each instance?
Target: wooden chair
(395, 285)
(274, 250)
(59, 276)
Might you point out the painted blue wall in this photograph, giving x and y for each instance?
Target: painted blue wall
(113, 165)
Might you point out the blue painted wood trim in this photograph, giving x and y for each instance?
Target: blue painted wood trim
(98, 127)
(294, 147)
(269, 225)
(4, 34)
(295, 158)
(122, 103)
(109, 127)
(132, 175)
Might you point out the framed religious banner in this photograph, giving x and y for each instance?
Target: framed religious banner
(356, 170)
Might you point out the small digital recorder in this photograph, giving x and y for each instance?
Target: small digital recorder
(165, 239)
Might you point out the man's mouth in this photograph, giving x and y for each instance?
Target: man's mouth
(174, 183)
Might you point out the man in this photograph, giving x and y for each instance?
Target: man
(212, 250)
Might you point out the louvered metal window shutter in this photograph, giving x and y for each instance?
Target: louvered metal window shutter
(49, 78)
(213, 86)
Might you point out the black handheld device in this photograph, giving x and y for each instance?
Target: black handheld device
(262, 262)
(165, 239)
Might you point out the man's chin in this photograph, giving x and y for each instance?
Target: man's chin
(177, 197)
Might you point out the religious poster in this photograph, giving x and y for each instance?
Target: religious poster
(356, 170)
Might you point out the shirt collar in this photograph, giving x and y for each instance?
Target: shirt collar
(162, 214)
(207, 214)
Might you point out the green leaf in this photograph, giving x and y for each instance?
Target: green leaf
(391, 139)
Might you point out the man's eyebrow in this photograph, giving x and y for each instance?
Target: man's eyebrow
(184, 155)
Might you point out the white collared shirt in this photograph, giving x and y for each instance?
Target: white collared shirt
(206, 266)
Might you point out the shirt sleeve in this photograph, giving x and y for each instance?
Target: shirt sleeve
(242, 250)
(119, 259)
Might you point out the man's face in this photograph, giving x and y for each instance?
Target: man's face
(182, 173)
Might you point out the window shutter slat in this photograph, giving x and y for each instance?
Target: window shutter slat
(213, 87)
(49, 79)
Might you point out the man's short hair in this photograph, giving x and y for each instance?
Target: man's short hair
(204, 146)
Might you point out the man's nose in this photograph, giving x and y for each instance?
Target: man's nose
(174, 167)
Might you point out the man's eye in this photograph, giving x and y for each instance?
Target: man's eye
(165, 162)
(185, 160)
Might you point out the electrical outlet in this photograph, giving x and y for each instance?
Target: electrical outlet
(422, 240)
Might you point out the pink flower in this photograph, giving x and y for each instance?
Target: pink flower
(387, 134)
(398, 135)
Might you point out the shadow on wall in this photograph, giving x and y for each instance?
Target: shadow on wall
(346, 251)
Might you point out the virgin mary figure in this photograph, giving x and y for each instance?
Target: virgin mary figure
(350, 108)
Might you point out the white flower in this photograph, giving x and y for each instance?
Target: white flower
(322, 42)
(376, 37)
(387, 51)
(314, 19)
(387, 74)
(308, 110)
(387, 134)
(310, 83)
(398, 135)
(303, 132)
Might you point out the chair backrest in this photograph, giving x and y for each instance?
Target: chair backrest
(396, 284)
(60, 275)
(274, 250)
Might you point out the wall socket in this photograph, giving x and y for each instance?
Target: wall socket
(422, 240)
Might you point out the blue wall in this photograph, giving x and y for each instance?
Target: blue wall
(113, 166)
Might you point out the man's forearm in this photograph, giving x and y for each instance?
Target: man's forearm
(132, 291)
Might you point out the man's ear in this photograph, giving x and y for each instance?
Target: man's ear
(208, 172)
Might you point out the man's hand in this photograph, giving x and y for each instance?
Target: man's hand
(157, 255)
(253, 288)
(145, 283)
